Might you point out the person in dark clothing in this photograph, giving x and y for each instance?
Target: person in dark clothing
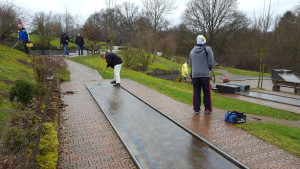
(79, 42)
(23, 36)
(201, 61)
(64, 40)
(115, 62)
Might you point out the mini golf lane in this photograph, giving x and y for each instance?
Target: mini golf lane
(154, 141)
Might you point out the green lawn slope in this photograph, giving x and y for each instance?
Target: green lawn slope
(14, 65)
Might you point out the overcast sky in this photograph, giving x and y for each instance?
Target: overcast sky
(84, 8)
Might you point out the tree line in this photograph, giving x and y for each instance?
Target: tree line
(261, 43)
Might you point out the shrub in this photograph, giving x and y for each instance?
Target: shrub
(129, 57)
(20, 128)
(23, 91)
(134, 57)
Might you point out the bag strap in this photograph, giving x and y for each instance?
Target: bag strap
(211, 69)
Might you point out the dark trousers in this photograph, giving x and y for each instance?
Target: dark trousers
(198, 84)
(26, 49)
(80, 50)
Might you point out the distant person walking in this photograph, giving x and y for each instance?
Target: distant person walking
(64, 40)
(201, 61)
(115, 62)
(185, 71)
(23, 36)
(79, 42)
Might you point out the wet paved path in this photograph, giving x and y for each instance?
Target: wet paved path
(150, 136)
(88, 141)
(245, 147)
(86, 138)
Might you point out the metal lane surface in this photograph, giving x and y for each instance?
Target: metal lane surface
(153, 140)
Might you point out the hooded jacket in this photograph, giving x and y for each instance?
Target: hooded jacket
(23, 35)
(64, 39)
(200, 61)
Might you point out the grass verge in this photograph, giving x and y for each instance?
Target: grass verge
(285, 137)
(243, 72)
(183, 91)
(48, 149)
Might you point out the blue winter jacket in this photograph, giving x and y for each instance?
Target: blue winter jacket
(23, 36)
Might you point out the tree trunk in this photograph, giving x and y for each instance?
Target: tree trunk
(260, 70)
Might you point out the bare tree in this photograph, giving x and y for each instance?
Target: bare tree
(261, 44)
(128, 13)
(156, 10)
(215, 19)
(92, 27)
(77, 23)
(68, 23)
(8, 18)
(185, 40)
(111, 16)
(286, 43)
(47, 26)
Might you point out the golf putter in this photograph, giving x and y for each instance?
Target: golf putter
(15, 45)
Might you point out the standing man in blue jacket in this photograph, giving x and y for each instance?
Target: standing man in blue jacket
(115, 62)
(23, 36)
(201, 61)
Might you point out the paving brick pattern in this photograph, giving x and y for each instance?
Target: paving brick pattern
(86, 138)
(245, 147)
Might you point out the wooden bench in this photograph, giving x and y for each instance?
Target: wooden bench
(279, 83)
(93, 49)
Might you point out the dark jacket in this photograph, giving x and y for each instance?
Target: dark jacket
(23, 35)
(64, 39)
(201, 61)
(112, 59)
(79, 41)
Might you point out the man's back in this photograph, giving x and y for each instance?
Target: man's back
(201, 61)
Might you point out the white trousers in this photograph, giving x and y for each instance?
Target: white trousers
(117, 70)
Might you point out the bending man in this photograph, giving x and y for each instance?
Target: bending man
(115, 62)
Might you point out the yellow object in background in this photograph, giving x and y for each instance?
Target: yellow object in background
(29, 45)
(185, 70)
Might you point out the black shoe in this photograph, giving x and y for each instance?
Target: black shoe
(113, 82)
(117, 85)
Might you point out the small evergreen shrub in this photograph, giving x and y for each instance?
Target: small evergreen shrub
(23, 91)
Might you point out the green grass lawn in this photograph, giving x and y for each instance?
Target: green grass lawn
(14, 65)
(243, 72)
(183, 91)
(286, 137)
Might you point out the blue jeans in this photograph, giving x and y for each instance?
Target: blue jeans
(66, 52)
(80, 50)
